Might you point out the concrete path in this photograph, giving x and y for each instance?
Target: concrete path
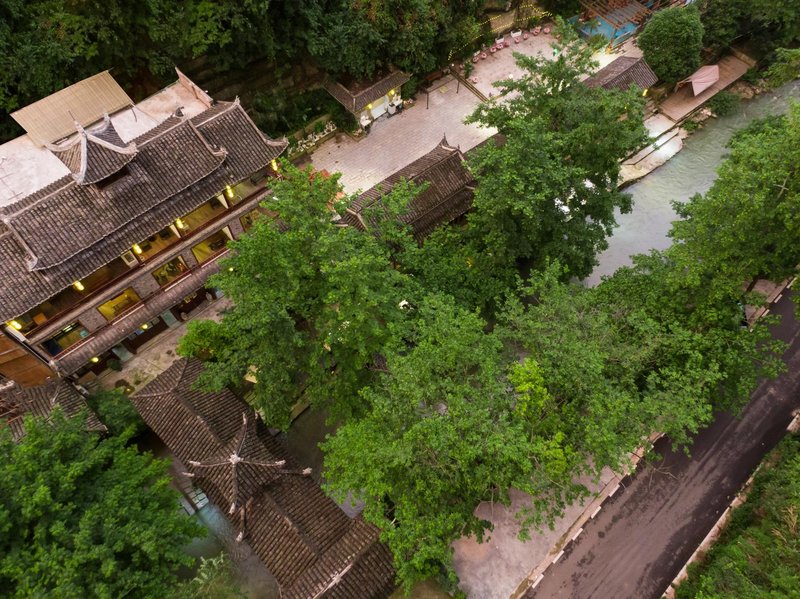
(397, 141)
(644, 535)
(502, 65)
(494, 569)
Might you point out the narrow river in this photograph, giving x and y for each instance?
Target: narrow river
(691, 171)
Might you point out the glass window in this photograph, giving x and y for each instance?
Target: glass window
(65, 338)
(170, 271)
(211, 246)
(155, 244)
(117, 305)
(202, 215)
(69, 297)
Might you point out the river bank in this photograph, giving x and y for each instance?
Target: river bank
(690, 171)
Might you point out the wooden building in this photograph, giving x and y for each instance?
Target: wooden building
(113, 215)
(311, 547)
(16, 402)
(622, 73)
(371, 98)
(448, 193)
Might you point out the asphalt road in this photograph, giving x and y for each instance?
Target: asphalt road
(644, 534)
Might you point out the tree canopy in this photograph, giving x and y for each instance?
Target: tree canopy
(313, 305)
(549, 191)
(86, 517)
(746, 226)
(452, 384)
(672, 41)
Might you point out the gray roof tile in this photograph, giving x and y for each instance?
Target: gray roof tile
(448, 195)
(311, 547)
(622, 73)
(66, 231)
(16, 402)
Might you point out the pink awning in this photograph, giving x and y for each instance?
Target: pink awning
(703, 78)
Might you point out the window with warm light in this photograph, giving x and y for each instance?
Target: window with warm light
(202, 215)
(64, 339)
(116, 306)
(70, 297)
(170, 271)
(155, 244)
(212, 245)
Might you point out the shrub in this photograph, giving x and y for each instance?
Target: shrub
(116, 411)
(278, 113)
(724, 103)
(672, 42)
(410, 87)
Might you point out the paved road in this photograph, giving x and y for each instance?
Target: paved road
(644, 534)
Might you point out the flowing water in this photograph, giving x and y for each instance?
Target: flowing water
(691, 171)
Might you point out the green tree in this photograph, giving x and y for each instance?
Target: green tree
(786, 67)
(313, 305)
(117, 412)
(672, 41)
(82, 516)
(215, 579)
(359, 38)
(723, 21)
(746, 226)
(550, 190)
(440, 437)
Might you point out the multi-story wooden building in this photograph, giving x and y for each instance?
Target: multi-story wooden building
(114, 215)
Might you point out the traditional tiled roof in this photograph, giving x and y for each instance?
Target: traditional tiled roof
(311, 547)
(66, 231)
(16, 402)
(95, 154)
(622, 73)
(354, 96)
(448, 195)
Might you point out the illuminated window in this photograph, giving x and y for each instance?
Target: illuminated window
(204, 214)
(65, 338)
(212, 245)
(117, 305)
(155, 244)
(170, 271)
(69, 297)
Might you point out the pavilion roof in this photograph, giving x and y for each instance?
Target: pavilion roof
(448, 193)
(354, 94)
(306, 541)
(622, 73)
(17, 402)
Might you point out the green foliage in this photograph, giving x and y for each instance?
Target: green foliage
(215, 579)
(758, 555)
(280, 114)
(746, 225)
(672, 41)
(724, 103)
(82, 516)
(770, 23)
(550, 191)
(786, 67)
(722, 23)
(359, 38)
(313, 305)
(441, 436)
(117, 412)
